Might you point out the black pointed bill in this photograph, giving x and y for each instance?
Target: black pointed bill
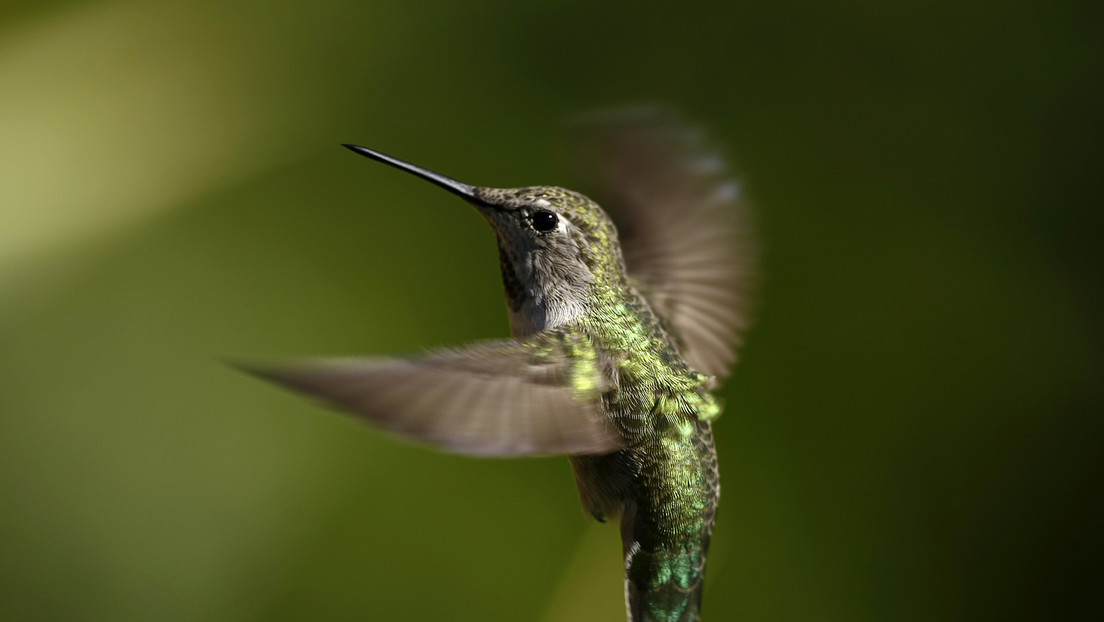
(465, 191)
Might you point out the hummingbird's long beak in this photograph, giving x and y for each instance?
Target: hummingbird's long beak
(463, 190)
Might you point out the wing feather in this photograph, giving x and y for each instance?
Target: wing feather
(492, 399)
(684, 229)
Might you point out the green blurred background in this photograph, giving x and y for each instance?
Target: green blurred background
(914, 429)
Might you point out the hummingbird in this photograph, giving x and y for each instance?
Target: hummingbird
(620, 334)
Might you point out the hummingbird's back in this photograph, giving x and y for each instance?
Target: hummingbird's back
(665, 532)
(664, 482)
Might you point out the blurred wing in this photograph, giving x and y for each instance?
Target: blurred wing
(492, 399)
(683, 227)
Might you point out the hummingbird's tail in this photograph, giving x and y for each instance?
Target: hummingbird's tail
(665, 584)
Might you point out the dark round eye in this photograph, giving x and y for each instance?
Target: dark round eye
(544, 221)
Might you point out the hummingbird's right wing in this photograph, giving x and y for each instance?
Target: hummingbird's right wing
(684, 230)
(501, 398)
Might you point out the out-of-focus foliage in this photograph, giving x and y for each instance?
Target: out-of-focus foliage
(913, 432)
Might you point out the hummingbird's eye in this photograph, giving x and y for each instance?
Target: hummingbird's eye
(544, 221)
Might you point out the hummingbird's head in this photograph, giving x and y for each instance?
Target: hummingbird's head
(557, 248)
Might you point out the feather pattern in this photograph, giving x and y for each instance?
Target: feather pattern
(499, 398)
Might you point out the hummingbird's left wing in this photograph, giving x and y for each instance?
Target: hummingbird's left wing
(683, 226)
(501, 398)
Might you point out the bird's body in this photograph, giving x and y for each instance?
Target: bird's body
(609, 366)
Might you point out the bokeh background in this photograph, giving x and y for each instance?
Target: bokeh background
(914, 429)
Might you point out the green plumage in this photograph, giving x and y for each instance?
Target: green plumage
(664, 483)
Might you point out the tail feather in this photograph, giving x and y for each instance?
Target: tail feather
(664, 585)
